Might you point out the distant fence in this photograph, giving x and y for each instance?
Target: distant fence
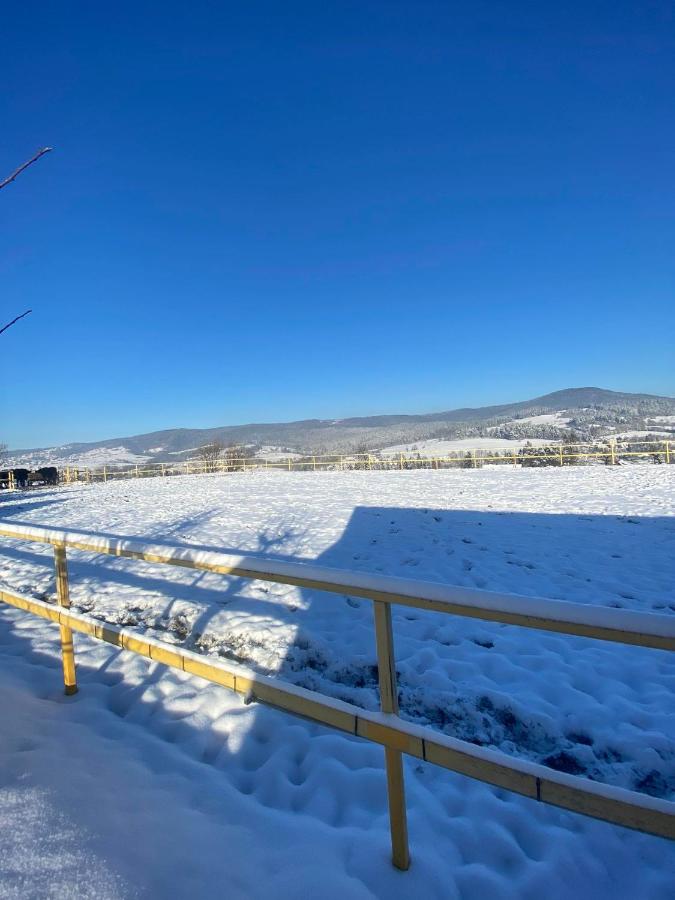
(608, 453)
(612, 804)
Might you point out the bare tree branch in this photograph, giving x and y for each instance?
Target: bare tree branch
(9, 324)
(25, 166)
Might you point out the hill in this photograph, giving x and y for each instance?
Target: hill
(575, 413)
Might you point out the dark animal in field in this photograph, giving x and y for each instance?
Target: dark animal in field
(45, 475)
(21, 477)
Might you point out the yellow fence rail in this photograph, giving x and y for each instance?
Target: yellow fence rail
(611, 804)
(611, 453)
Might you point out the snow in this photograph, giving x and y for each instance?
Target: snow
(99, 456)
(633, 435)
(159, 784)
(439, 447)
(556, 418)
(362, 584)
(273, 454)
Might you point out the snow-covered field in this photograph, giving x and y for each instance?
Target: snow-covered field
(61, 456)
(556, 418)
(439, 447)
(636, 435)
(153, 783)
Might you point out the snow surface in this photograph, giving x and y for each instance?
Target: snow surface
(276, 453)
(556, 418)
(59, 456)
(633, 435)
(152, 782)
(664, 420)
(439, 447)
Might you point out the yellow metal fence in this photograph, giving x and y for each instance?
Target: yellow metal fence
(610, 453)
(617, 805)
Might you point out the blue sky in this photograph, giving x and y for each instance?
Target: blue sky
(272, 211)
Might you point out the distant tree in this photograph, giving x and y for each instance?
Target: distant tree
(363, 458)
(210, 455)
(236, 456)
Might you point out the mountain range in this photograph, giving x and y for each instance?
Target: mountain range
(575, 413)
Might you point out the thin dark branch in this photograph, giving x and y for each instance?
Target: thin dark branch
(25, 166)
(9, 324)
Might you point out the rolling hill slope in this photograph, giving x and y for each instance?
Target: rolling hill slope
(586, 413)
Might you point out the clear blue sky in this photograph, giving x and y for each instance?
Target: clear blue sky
(270, 211)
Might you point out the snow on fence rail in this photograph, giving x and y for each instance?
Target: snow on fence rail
(611, 453)
(612, 804)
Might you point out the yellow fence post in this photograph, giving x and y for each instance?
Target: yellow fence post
(612, 448)
(667, 451)
(63, 599)
(105, 474)
(289, 464)
(398, 819)
(561, 454)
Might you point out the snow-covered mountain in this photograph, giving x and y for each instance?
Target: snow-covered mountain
(575, 413)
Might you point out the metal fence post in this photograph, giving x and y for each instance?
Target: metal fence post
(398, 820)
(63, 599)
